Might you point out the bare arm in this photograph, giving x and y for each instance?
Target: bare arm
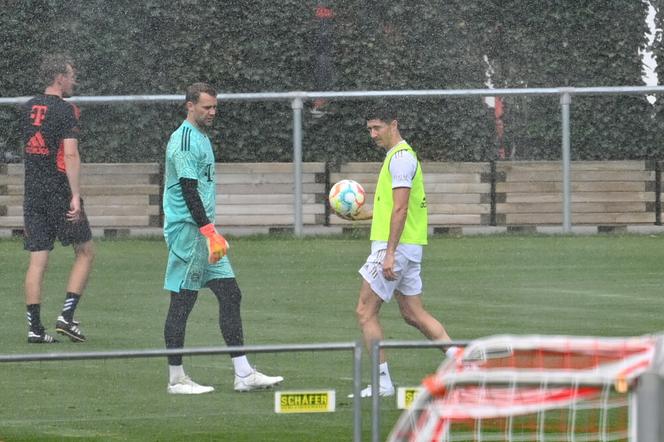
(400, 197)
(73, 170)
(362, 215)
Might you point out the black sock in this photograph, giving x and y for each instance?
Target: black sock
(34, 320)
(71, 301)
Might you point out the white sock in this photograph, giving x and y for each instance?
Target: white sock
(451, 351)
(175, 373)
(241, 366)
(385, 379)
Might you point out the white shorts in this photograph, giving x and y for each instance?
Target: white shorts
(408, 282)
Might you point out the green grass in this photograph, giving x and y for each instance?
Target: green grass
(298, 291)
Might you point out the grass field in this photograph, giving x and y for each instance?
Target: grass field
(298, 291)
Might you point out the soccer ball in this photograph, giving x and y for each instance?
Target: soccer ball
(346, 197)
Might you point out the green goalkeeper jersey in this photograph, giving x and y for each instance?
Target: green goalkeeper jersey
(188, 155)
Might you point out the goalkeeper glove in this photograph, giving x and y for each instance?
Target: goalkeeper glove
(217, 244)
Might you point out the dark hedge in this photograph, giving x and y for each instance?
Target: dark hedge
(158, 47)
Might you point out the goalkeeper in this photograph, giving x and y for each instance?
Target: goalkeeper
(196, 251)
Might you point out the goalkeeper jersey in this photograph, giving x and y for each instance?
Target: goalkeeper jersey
(188, 155)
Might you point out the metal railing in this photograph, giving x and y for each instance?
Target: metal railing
(356, 347)
(649, 398)
(298, 98)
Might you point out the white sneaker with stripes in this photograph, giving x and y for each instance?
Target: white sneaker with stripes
(384, 390)
(185, 385)
(255, 381)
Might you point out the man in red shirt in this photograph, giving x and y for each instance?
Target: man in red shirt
(52, 205)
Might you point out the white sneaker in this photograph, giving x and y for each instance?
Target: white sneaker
(385, 390)
(452, 352)
(186, 386)
(256, 380)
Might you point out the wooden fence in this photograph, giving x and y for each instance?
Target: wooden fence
(116, 196)
(123, 196)
(603, 192)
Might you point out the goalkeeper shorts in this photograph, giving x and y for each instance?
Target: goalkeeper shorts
(188, 266)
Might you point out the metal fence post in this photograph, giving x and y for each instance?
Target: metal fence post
(375, 391)
(357, 388)
(297, 105)
(565, 101)
(649, 400)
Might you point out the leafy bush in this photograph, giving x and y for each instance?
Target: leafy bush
(159, 47)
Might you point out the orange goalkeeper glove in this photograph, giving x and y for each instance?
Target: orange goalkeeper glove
(217, 244)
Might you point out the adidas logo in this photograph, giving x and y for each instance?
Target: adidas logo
(37, 145)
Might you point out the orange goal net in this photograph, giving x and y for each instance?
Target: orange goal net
(532, 388)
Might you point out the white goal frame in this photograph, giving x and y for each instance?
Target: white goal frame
(502, 379)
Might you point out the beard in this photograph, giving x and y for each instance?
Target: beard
(205, 123)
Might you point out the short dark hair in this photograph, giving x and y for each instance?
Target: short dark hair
(195, 90)
(380, 111)
(53, 65)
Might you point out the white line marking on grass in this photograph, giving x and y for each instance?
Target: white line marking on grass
(21, 422)
(583, 292)
(71, 432)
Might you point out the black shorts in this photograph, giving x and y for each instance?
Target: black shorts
(46, 220)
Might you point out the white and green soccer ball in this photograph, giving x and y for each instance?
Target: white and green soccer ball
(346, 197)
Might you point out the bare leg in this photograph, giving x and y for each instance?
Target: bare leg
(414, 314)
(368, 307)
(80, 271)
(34, 277)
